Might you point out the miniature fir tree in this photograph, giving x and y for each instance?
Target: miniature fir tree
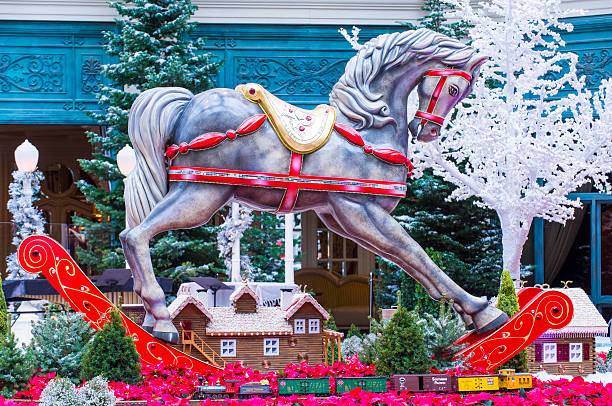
(4, 319)
(112, 354)
(402, 349)
(58, 343)
(528, 137)
(440, 334)
(152, 48)
(353, 331)
(507, 301)
(15, 366)
(28, 219)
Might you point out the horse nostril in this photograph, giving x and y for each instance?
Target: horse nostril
(434, 131)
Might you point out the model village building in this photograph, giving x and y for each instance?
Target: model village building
(257, 336)
(570, 350)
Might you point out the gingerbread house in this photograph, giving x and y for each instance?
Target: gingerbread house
(255, 335)
(570, 350)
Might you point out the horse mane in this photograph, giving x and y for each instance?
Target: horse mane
(353, 94)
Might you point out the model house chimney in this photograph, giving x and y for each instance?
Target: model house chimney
(286, 298)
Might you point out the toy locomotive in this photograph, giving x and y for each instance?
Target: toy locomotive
(507, 379)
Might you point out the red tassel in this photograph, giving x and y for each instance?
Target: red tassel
(251, 124)
(172, 151)
(391, 156)
(349, 133)
(207, 140)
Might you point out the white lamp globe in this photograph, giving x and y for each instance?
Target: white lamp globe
(126, 160)
(26, 157)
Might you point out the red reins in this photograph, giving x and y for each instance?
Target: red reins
(442, 74)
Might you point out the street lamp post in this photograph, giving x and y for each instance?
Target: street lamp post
(26, 158)
(126, 161)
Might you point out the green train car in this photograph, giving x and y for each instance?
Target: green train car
(303, 386)
(377, 384)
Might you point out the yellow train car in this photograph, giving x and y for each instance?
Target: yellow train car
(478, 383)
(510, 380)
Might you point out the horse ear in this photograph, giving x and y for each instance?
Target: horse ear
(476, 63)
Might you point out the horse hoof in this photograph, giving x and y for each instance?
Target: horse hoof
(148, 329)
(493, 325)
(167, 336)
(470, 327)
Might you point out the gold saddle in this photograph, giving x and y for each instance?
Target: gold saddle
(302, 131)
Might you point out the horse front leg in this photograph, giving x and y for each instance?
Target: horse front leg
(187, 205)
(365, 220)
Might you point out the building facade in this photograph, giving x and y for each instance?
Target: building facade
(50, 70)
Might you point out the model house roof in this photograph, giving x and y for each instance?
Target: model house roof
(227, 321)
(182, 301)
(587, 321)
(243, 290)
(266, 320)
(300, 300)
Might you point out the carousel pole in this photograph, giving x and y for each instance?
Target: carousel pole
(236, 247)
(289, 224)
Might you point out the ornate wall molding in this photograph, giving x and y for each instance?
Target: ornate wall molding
(51, 71)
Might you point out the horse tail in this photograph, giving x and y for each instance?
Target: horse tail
(153, 117)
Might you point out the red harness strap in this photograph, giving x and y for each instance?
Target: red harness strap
(291, 193)
(428, 115)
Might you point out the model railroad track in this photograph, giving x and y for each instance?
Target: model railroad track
(42, 254)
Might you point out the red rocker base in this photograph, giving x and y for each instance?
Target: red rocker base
(43, 254)
(540, 310)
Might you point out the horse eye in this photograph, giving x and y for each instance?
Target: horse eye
(453, 90)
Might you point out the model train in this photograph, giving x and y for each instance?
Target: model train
(507, 379)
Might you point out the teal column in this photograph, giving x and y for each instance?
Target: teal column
(538, 249)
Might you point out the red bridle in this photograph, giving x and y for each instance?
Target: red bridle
(442, 74)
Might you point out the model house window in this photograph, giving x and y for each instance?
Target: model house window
(299, 326)
(575, 352)
(271, 346)
(313, 326)
(550, 352)
(228, 348)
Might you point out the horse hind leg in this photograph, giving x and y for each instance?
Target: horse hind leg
(149, 321)
(369, 222)
(331, 223)
(187, 205)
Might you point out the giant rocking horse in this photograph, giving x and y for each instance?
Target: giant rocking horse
(346, 161)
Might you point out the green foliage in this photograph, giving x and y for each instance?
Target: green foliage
(353, 331)
(152, 48)
(263, 243)
(58, 343)
(436, 20)
(4, 319)
(440, 334)
(332, 347)
(112, 354)
(507, 301)
(401, 348)
(15, 366)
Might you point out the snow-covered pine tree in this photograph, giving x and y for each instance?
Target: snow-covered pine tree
(441, 332)
(151, 47)
(58, 343)
(467, 239)
(528, 137)
(28, 219)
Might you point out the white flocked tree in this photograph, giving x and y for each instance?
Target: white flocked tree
(527, 137)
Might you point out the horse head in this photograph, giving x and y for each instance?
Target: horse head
(439, 91)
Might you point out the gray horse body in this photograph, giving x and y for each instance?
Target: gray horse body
(371, 97)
